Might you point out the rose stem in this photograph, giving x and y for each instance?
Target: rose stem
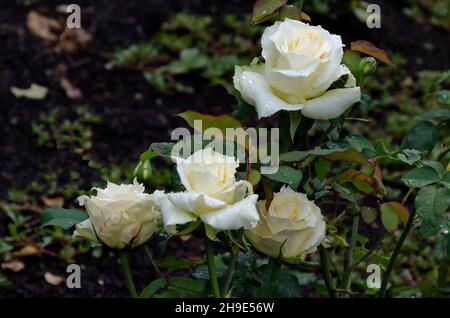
(395, 253)
(211, 267)
(276, 269)
(325, 267)
(347, 277)
(125, 264)
(231, 270)
(149, 254)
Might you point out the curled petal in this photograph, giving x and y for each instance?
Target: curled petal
(256, 91)
(331, 104)
(242, 214)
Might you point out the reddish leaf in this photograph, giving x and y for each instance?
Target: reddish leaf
(401, 211)
(368, 48)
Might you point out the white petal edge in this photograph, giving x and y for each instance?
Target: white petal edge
(331, 104)
(242, 214)
(256, 91)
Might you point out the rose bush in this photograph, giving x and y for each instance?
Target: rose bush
(301, 63)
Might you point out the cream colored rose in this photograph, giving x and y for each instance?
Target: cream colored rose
(120, 215)
(301, 63)
(212, 194)
(292, 227)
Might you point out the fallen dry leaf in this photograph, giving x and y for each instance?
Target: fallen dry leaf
(71, 91)
(34, 92)
(16, 266)
(53, 279)
(28, 250)
(57, 201)
(73, 39)
(42, 26)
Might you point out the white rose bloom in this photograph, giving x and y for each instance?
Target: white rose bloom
(301, 63)
(212, 194)
(120, 215)
(292, 227)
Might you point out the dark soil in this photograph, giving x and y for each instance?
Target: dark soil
(134, 114)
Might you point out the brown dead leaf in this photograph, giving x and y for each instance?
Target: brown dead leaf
(53, 279)
(27, 250)
(16, 266)
(71, 91)
(42, 26)
(56, 201)
(72, 40)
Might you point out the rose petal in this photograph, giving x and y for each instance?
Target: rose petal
(331, 104)
(256, 91)
(242, 214)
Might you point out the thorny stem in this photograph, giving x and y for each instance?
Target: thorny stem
(149, 254)
(395, 253)
(326, 273)
(125, 264)
(231, 270)
(211, 267)
(347, 277)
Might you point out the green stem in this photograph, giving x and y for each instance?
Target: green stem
(276, 270)
(395, 253)
(347, 277)
(231, 270)
(443, 153)
(211, 267)
(326, 273)
(443, 272)
(149, 254)
(125, 264)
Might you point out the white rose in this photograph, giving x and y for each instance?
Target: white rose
(120, 215)
(212, 194)
(292, 227)
(301, 63)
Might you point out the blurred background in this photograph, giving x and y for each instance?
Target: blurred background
(78, 106)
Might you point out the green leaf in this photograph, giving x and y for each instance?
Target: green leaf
(221, 122)
(443, 97)
(369, 215)
(431, 201)
(409, 156)
(420, 177)
(361, 144)
(350, 155)
(254, 177)
(442, 114)
(162, 148)
(152, 288)
(422, 137)
(322, 166)
(294, 156)
(194, 287)
(442, 77)
(287, 175)
(263, 9)
(294, 117)
(446, 179)
(65, 218)
(293, 12)
(389, 217)
(148, 155)
(171, 263)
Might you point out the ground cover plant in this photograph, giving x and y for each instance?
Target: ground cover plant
(335, 183)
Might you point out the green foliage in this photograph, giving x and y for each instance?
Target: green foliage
(64, 218)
